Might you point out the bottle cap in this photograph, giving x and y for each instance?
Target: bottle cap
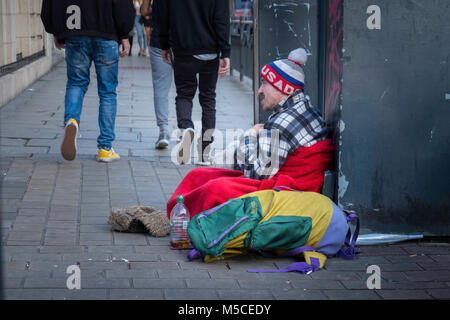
(180, 199)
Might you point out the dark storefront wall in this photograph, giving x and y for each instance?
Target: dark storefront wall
(383, 92)
(395, 119)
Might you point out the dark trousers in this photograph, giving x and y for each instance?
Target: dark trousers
(186, 69)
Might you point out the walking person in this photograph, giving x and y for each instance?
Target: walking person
(200, 33)
(139, 28)
(162, 76)
(147, 20)
(76, 27)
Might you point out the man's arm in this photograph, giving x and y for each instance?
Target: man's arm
(222, 27)
(161, 9)
(161, 13)
(261, 152)
(124, 15)
(46, 16)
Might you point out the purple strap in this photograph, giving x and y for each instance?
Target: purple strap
(287, 188)
(212, 210)
(349, 251)
(194, 254)
(213, 243)
(301, 267)
(292, 252)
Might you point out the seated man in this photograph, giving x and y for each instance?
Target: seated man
(291, 149)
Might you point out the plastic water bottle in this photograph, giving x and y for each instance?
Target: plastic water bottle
(179, 220)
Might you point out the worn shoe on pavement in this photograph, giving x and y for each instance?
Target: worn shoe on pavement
(107, 155)
(184, 147)
(69, 144)
(204, 155)
(163, 140)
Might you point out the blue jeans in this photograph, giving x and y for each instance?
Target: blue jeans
(140, 33)
(162, 75)
(80, 52)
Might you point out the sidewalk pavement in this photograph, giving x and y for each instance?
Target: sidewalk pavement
(54, 213)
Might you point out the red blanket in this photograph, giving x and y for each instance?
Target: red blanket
(205, 188)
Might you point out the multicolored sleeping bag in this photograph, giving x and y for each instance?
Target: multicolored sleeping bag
(274, 223)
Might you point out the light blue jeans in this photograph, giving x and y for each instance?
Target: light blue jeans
(140, 33)
(80, 52)
(162, 75)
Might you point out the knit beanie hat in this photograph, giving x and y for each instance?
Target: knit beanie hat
(287, 75)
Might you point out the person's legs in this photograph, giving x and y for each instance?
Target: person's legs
(140, 34)
(78, 59)
(106, 59)
(148, 34)
(207, 96)
(130, 39)
(185, 73)
(162, 81)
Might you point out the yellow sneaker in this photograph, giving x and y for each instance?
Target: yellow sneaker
(107, 156)
(69, 144)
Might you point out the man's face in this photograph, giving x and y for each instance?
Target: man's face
(269, 96)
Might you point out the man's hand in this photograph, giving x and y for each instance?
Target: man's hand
(58, 45)
(125, 48)
(167, 56)
(257, 128)
(224, 67)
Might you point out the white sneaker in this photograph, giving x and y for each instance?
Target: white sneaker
(184, 147)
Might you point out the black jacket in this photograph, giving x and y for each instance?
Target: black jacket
(196, 26)
(109, 19)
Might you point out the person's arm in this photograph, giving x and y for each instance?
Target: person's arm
(47, 21)
(161, 12)
(46, 16)
(221, 25)
(124, 15)
(261, 152)
(161, 8)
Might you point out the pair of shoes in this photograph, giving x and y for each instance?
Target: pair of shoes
(184, 146)
(140, 219)
(163, 140)
(69, 144)
(107, 155)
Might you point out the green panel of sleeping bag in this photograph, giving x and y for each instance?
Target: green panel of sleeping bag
(280, 233)
(210, 230)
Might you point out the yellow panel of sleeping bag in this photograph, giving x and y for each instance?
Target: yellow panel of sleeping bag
(306, 204)
(314, 254)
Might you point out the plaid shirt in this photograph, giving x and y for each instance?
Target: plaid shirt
(294, 123)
